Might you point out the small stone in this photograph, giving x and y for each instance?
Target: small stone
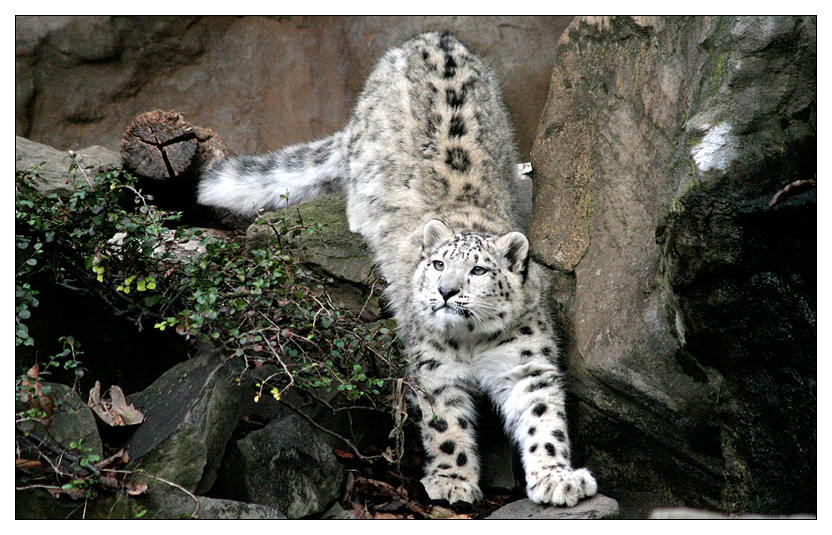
(596, 507)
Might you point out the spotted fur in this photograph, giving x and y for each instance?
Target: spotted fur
(428, 165)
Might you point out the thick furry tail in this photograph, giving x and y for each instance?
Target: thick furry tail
(248, 184)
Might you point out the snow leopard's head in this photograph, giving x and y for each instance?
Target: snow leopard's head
(470, 282)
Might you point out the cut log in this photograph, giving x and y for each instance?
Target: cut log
(170, 155)
(162, 146)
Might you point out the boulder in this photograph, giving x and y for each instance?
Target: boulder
(283, 465)
(333, 248)
(332, 251)
(687, 294)
(191, 411)
(53, 165)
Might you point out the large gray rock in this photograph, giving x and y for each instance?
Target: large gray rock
(190, 411)
(333, 248)
(283, 465)
(261, 82)
(333, 252)
(53, 165)
(688, 302)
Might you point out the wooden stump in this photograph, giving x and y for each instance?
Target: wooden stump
(169, 155)
(162, 146)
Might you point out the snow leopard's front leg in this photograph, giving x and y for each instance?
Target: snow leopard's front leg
(447, 425)
(532, 397)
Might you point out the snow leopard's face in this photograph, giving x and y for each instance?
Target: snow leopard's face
(470, 282)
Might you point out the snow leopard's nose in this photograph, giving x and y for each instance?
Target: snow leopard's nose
(447, 292)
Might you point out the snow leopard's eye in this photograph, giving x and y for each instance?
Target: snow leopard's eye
(438, 265)
(479, 270)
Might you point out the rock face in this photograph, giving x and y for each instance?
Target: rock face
(688, 301)
(262, 82)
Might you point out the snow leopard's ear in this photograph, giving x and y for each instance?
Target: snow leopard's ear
(435, 232)
(515, 250)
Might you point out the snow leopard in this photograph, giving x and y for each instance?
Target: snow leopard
(429, 167)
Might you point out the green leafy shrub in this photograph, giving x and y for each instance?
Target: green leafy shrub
(261, 305)
(264, 306)
(97, 240)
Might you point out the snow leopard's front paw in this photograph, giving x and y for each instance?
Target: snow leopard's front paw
(442, 487)
(562, 487)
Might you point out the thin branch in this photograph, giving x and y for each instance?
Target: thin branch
(62, 453)
(167, 482)
(317, 426)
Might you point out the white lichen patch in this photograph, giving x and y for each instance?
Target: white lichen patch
(717, 149)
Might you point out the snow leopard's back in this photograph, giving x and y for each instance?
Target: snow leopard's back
(429, 139)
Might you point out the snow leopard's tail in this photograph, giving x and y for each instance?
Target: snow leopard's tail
(248, 184)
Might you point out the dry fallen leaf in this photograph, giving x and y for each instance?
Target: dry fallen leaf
(109, 482)
(115, 411)
(438, 512)
(134, 488)
(33, 372)
(118, 457)
(35, 398)
(343, 454)
(26, 464)
(75, 493)
(385, 516)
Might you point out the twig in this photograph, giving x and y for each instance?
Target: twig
(62, 453)
(74, 157)
(156, 226)
(38, 486)
(317, 426)
(370, 296)
(167, 482)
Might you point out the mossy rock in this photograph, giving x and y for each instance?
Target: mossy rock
(332, 251)
(72, 424)
(334, 248)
